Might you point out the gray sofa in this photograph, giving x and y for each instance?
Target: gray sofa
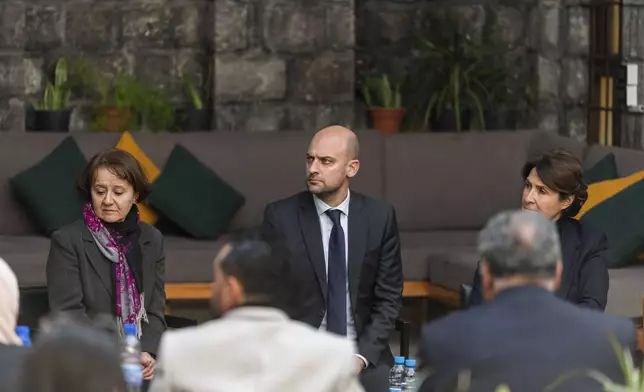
(444, 187)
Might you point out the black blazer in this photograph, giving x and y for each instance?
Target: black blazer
(374, 266)
(585, 272)
(80, 278)
(11, 360)
(526, 338)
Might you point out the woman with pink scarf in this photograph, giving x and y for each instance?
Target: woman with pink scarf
(110, 262)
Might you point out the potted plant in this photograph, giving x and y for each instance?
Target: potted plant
(197, 116)
(448, 88)
(384, 101)
(52, 112)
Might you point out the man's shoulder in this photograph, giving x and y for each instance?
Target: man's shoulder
(372, 203)
(289, 202)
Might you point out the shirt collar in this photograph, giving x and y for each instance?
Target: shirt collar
(322, 207)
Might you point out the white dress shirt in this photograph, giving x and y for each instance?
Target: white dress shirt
(326, 226)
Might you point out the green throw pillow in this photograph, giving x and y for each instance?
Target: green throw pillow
(622, 219)
(193, 197)
(47, 190)
(604, 169)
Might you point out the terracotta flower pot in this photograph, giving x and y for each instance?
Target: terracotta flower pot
(117, 119)
(387, 120)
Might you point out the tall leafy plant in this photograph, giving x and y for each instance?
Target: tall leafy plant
(447, 73)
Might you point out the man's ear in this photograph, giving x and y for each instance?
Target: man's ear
(354, 166)
(236, 290)
(558, 274)
(487, 281)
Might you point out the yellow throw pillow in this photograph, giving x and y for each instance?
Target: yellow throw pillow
(127, 143)
(603, 190)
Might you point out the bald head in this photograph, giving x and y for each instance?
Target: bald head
(344, 137)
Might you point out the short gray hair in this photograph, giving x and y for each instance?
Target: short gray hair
(520, 243)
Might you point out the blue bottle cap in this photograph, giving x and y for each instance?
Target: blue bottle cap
(410, 363)
(129, 329)
(399, 360)
(23, 330)
(395, 390)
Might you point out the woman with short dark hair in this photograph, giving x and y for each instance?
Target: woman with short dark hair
(554, 186)
(110, 262)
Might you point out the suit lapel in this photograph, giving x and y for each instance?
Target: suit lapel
(310, 225)
(569, 238)
(358, 230)
(100, 263)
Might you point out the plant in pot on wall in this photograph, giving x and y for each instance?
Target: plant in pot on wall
(447, 70)
(52, 112)
(128, 105)
(197, 116)
(384, 101)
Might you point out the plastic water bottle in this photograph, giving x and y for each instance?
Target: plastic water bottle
(24, 333)
(409, 383)
(397, 373)
(131, 359)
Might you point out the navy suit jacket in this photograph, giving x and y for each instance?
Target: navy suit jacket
(585, 272)
(526, 338)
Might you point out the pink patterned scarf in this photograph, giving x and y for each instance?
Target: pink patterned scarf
(130, 308)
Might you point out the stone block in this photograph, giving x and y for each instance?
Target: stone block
(254, 117)
(33, 75)
(231, 25)
(12, 75)
(245, 79)
(576, 80)
(549, 29)
(312, 118)
(295, 28)
(472, 19)
(44, 27)
(12, 25)
(327, 78)
(549, 73)
(533, 29)
(92, 27)
(157, 70)
(511, 23)
(12, 115)
(148, 25)
(549, 122)
(576, 124)
(340, 20)
(190, 23)
(578, 31)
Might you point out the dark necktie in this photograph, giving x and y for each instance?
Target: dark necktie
(336, 311)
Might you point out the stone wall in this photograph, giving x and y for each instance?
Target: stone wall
(278, 64)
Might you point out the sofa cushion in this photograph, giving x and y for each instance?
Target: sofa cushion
(47, 190)
(189, 260)
(425, 255)
(621, 217)
(625, 292)
(263, 166)
(194, 197)
(127, 143)
(453, 181)
(604, 169)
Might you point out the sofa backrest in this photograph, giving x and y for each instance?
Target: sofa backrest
(263, 167)
(458, 181)
(628, 161)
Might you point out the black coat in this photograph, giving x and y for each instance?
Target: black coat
(80, 279)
